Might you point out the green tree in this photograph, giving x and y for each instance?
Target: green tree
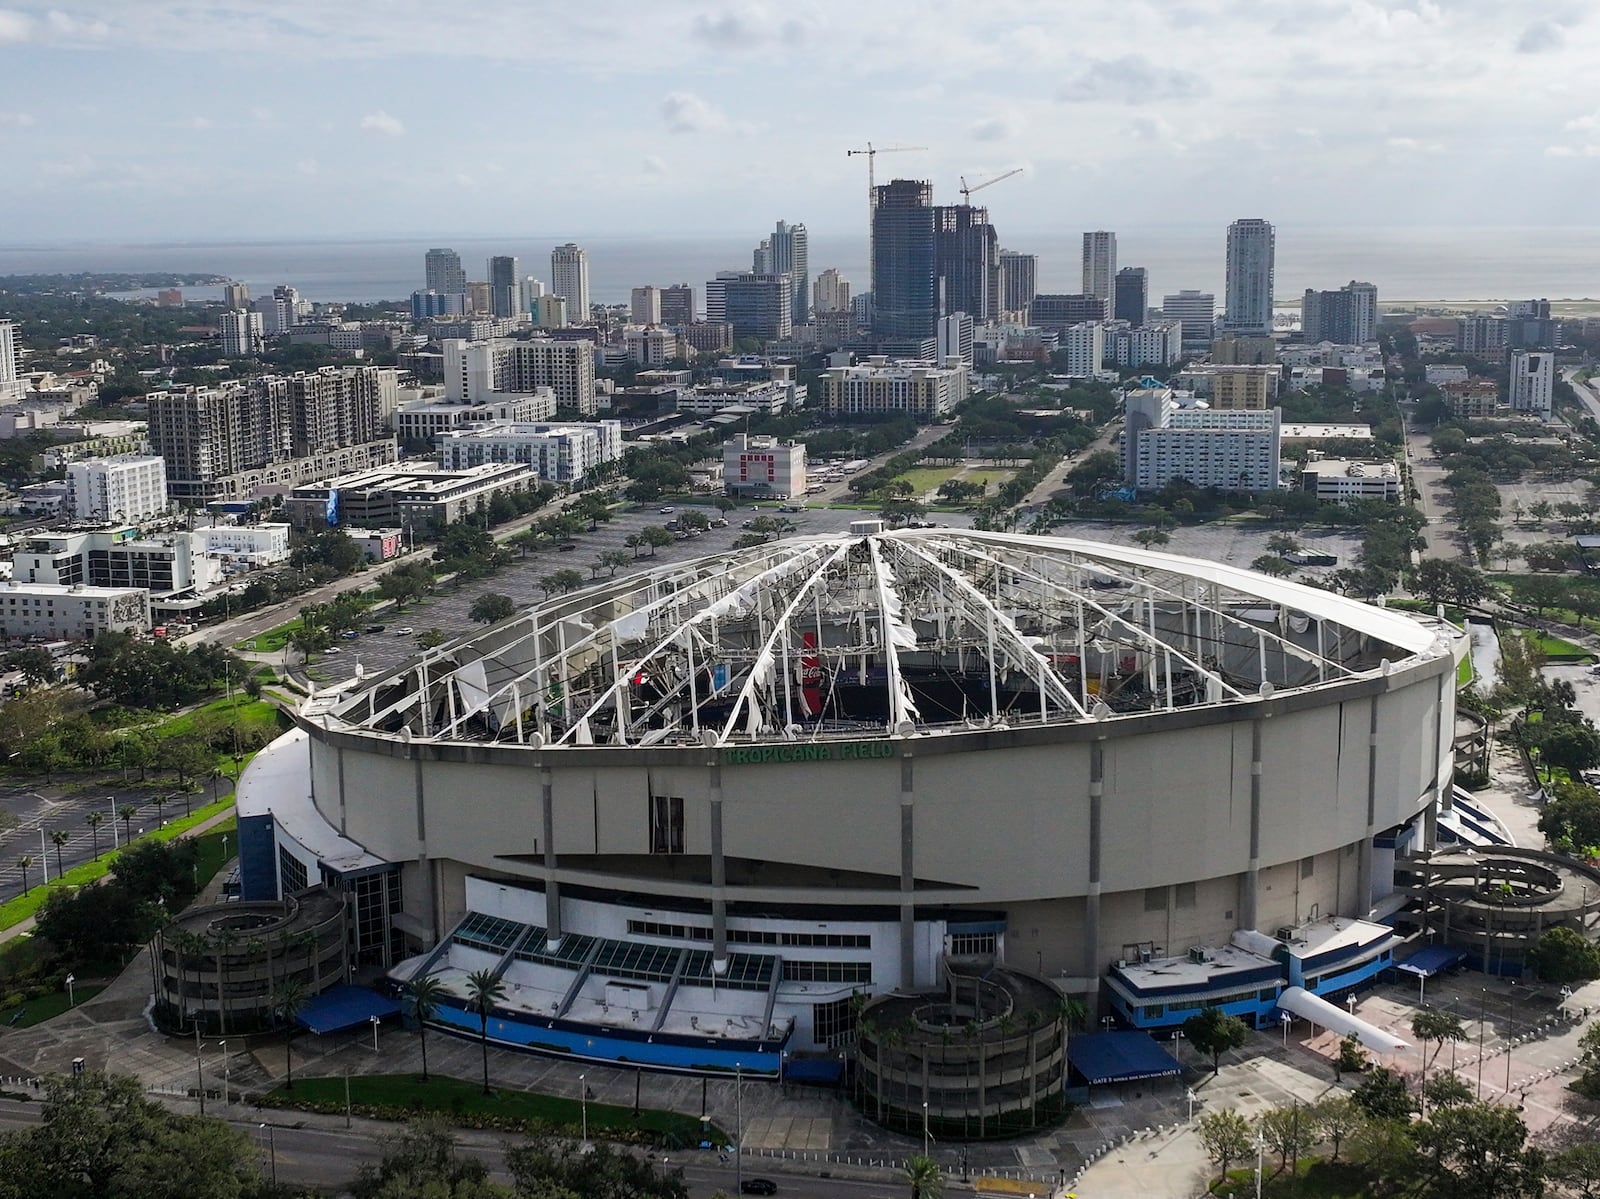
(611, 561)
(1572, 745)
(1336, 1119)
(1383, 1095)
(24, 864)
(1226, 1138)
(1564, 955)
(423, 996)
(1446, 1090)
(556, 1168)
(1479, 1149)
(484, 990)
(925, 1177)
(654, 537)
(431, 638)
(287, 1000)
(1215, 1032)
(1352, 1058)
(1286, 1131)
(59, 839)
(94, 820)
(1577, 1168)
(126, 813)
(1436, 1027)
(1572, 815)
(1152, 538)
(491, 607)
(420, 1162)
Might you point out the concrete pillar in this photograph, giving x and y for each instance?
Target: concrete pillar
(1092, 963)
(1250, 898)
(339, 758)
(1364, 857)
(908, 876)
(552, 889)
(428, 871)
(719, 872)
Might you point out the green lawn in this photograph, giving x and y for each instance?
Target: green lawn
(272, 640)
(250, 713)
(927, 478)
(1315, 1180)
(1464, 672)
(454, 1097)
(37, 1011)
(1560, 647)
(991, 479)
(17, 910)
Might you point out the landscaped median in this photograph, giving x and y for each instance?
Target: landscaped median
(405, 1096)
(15, 911)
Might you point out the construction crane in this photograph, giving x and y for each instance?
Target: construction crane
(966, 192)
(872, 153)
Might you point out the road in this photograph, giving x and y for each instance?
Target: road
(322, 1157)
(1428, 477)
(840, 492)
(1587, 394)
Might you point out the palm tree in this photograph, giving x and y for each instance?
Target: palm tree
(94, 820)
(423, 995)
(224, 944)
(927, 1182)
(287, 1001)
(59, 838)
(484, 990)
(127, 812)
(160, 802)
(22, 864)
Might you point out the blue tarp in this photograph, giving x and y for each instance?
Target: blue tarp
(1120, 1057)
(344, 1007)
(1430, 960)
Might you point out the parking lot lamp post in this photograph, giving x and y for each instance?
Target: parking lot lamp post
(1511, 1032)
(1483, 1015)
(583, 1102)
(738, 1126)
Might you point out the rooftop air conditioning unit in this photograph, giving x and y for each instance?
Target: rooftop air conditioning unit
(1198, 955)
(1285, 934)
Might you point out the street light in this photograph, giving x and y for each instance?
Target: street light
(924, 1128)
(71, 1000)
(1483, 1016)
(583, 1102)
(1350, 1002)
(374, 1022)
(272, 1142)
(1189, 1094)
(1285, 1019)
(738, 1127)
(1511, 1032)
(227, 1087)
(1261, 1146)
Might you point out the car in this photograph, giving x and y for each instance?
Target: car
(349, 635)
(405, 632)
(758, 1186)
(567, 545)
(333, 649)
(375, 628)
(665, 509)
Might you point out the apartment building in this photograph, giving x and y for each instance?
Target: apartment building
(924, 391)
(557, 453)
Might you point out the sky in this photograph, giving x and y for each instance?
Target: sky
(149, 120)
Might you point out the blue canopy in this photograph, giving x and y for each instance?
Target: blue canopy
(344, 1007)
(1120, 1057)
(1431, 959)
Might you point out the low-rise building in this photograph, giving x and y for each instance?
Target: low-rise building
(415, 498)
(770, 396)
(70, 612)
(1347, 481)
(1157, 343)
(1439, 373)
(424, 420)
(922, 390)
(1471, 398)
(256, 545)
(558, 453)
(127, 487)
(763, 467)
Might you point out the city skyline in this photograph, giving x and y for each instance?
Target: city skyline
(681, 105)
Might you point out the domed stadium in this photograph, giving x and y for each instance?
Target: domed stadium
(694, 816)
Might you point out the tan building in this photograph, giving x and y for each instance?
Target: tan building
(1240, 389)
(921, 390)
(1244, 349)
(1472, 397)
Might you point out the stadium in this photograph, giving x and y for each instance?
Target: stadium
(693, 817)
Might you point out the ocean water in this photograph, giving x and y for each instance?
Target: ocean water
(1424, 263)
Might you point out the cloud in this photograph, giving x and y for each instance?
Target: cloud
(196, 123)
(14, 26)
(15, 120)
(62, 25)
(1130, 79)
(685, 112)
(308, 166)
(746, 29)
(382, 122)
(1586, 122)
(994, 129)
(1412, 145)
(1540, 37)
(653, 166)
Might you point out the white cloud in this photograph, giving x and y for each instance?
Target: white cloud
(1540, 37)
(15, 120)
(1580, 124)
(1130, 79)
(747, 28)
(685, 112)
(63, 25)
(995, 129)
(14, 26)
(196, 123)
(653, 166)
(382, 122)
(308, 166)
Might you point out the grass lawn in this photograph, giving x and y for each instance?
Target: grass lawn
(460, 1097)
(272, 640)
(924, 479)
(1560, 647)
(1464, 672)
(250, 713)
(17, 910)
(37, 1011)
(991, 479)
(1315, 1180)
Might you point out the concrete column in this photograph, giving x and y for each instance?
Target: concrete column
(719, 872)
(340, 760)
(1364, 857)
(552, 889)
(1250, 899)
(429, 871)
(1092, 963)
(908, 876)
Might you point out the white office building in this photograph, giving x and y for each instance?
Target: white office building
(127, 487)
(1159, 343)
(57, 612)
(1345, 481)
(420, 422)
(650, 347)
(475, 370)
(557, 453)
(1085, 345)
(1196, 312)
(11, 387)
(1248, 299)
(241, 333)
(1533, 378)
(569, 279)
(1100, 266)
(924, 391)
(953, 337)
(763, 466)
(1231, 451)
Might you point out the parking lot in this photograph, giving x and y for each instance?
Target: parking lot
(447, 608)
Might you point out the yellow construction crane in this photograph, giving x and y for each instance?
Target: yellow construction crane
(966, 192)
(872, 153)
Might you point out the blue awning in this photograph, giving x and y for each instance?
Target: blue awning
(344, 1007)
(1120, 1057)
(1431, 959)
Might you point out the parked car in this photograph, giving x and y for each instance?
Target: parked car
(375, 628)
(349, 635)
(665, 509)
(758, 1186)
(405, 632)
(567, 545)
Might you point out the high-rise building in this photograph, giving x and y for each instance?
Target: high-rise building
(644, 305)
(1061, 312)
(129, 487)
(1019, 279)
(569, 278)
(480, 299)
(1483, 335)
(1132, 299)
(790, 255)
(1085, 347)
(425, 305)
(761, 258)
(235, 296)
(443, 273)
(759, 306)
(505, 286)
(905, 301)
(955, 338)
(1247, 301)
(532, 289)
(1348, 316)
(10, 385)
(831, 292)
(276, 313)
(476, 371)
(1532, 382)
(1100, 266)
(1155, 343)
(677, 305)
(241, 333)
(920, 390)
(1529, 325)
(550, 312)
(966, 261)
(717, 296)
(1196, 311)
(1244, 349)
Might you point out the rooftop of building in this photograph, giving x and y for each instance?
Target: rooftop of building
(1355, 468)
(413, 477)
(1312, 432)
